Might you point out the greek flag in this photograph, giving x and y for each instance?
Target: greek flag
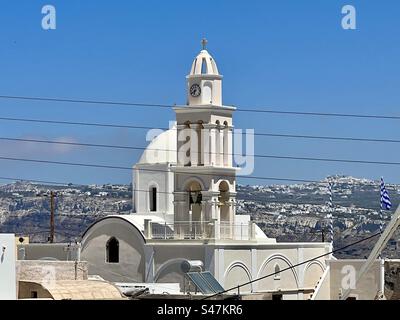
(385, 200)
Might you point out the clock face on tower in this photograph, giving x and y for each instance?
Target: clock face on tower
(195, 90)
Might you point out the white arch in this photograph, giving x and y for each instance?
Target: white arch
(240, 264)
(207, 92)
(279, 257)
(308, 265)
(189, 180)
(317, 262)
(230, 185)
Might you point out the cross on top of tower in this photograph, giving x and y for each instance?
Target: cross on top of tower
(204, 43)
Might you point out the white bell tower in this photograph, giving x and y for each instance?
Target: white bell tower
(205, 179)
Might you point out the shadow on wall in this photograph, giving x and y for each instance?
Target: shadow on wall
(171, 272)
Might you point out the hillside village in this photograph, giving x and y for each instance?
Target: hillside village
(288, 212)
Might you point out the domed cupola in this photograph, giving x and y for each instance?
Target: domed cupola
(204, 83)
(204, 64)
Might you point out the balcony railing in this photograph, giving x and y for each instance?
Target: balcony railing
(199, 230)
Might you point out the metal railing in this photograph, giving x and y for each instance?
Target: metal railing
(236, 231)
(199, 230)
(182, 230)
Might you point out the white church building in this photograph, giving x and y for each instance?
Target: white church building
(184, 194)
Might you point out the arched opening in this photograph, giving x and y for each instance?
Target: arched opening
(286, 281)
(153, 199)
(193, 225)
(112, 250)
(204, 69)
(194, 199)
(224, 210)
(223, 200)
(207, 93)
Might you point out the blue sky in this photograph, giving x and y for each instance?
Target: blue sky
(282, 55)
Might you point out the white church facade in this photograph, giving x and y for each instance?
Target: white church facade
(184, 194)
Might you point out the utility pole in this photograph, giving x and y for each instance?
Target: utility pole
(52, 209)
(52, 227)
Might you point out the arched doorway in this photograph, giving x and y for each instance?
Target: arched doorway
(194, 200)
(224, 211)
(194, 224)
(112, 250)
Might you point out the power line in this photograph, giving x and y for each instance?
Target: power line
(84, 101)
(262, 134)
(294, 266)
(124, 147)
(75, 123)
(323, 114)
(169, 106)
(141, 169)
(114, 167)
(328, 160)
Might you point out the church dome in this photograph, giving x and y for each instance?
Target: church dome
(162, 149)
(204, 64)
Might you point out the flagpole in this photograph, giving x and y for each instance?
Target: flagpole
(385, 204)
(330, 212)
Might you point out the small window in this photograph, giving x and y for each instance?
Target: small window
(277, 271)
(112, 250)
(34, 294)
(153, 199)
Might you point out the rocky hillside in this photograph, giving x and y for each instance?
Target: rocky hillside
(286, 212)
(298, 212)
(25, 208)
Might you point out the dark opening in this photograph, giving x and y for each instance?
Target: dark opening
(112, 250)
(195, 197)
(34, 294)
(277, 296)
(351, 298)
(153, 199)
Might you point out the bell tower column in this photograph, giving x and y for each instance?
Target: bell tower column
(228, 146)
(206, 144)
(195, 140)
(208, 168)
